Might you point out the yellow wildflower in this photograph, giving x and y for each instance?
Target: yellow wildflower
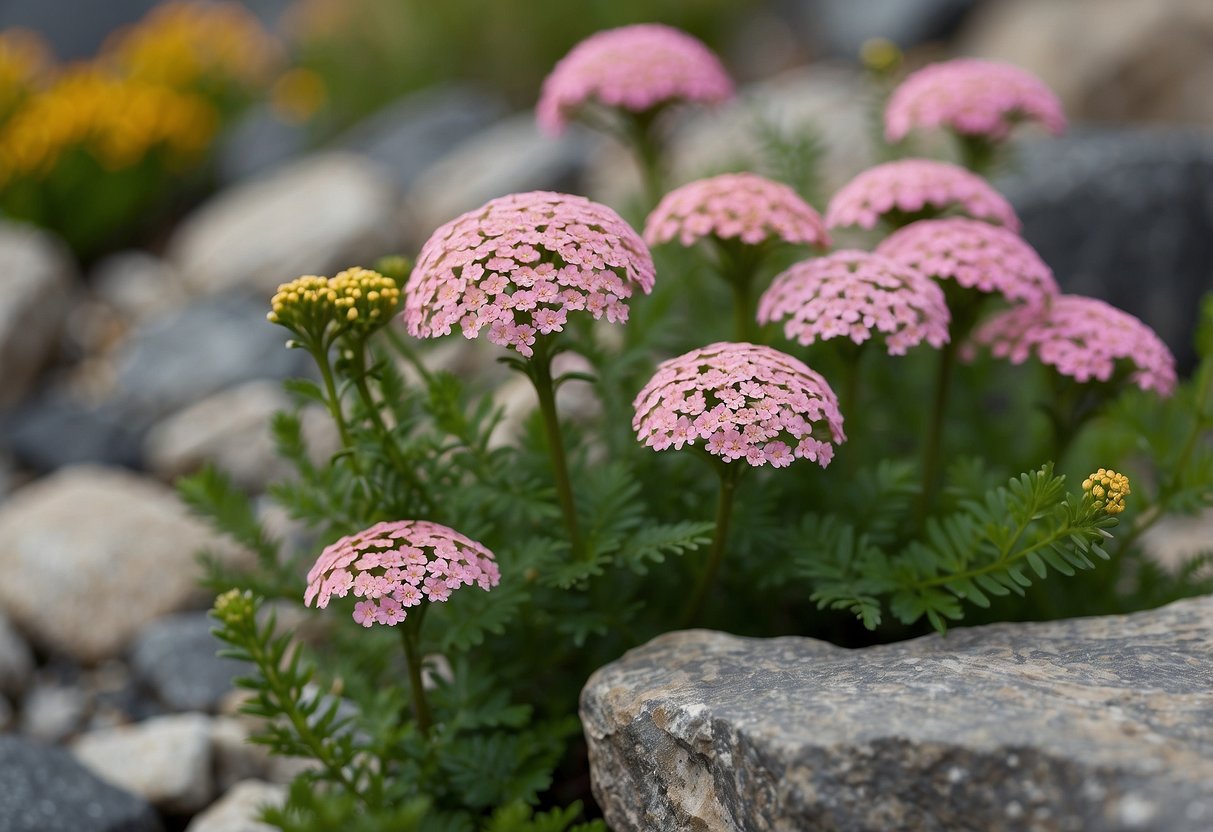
(356, 299)
(1107, 490)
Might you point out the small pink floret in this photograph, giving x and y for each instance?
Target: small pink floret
(913, 185)
(634, 68)
(1083, 338)
(741, 206)
(971, 97)
(755, 403)
(439, 560)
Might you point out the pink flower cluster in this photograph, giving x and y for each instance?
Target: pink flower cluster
(735, 205)
(972, 97)
(633, 67)
(913, 185)
(857, 294)
(976, 255)
(394, 566)
(745, 401)
(518, 265)
(1082, 338)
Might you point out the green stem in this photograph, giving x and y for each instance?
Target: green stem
(729, 475)
(647, 149)
(409, 354)
(321, 356)
(743, 317)
(410, 634)
(931, 448)
(539, 369)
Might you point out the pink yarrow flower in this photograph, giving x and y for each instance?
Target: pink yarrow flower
(515, 267)
(855, 294)
(635, 68)
(913, 185)
(741, 206)
(742, 401)
(1083, 338)
(976, 255)
(972, 97)
(368, 564)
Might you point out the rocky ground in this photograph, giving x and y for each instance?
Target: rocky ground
(114, 712)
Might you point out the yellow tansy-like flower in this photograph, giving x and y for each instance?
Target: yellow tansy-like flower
(1107, 490)
(356, 299)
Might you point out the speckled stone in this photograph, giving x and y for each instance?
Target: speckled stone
(238, 810)
(1091, 725)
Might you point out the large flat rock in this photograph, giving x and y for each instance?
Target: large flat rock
(1088, 724)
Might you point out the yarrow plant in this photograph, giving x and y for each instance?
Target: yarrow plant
(744, 215)
(472, 725)
(621, 80)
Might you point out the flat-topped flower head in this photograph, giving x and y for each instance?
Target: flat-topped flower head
(1083, 338)
(857, 295)
(973, 98)
(316, 308)
(742, 401)
(741, 206)
(518, 265)
(911, 186)
(976, 255)
(394, 566)
(1107, 490)
(635, 68)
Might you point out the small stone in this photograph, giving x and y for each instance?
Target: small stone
(175, 657)
(38, 281)
(16, 660)
(166, 760)
(46, 790)
(137, 284)
(316, 215)
(57, 430)
(1095, 724)
(108, 549)
(52, 712)
(238, 810)
(839, 28)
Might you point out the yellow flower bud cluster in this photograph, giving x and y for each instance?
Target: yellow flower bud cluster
(1107, 490)
(356, 299)
(118, 121)
(234, 607)
(192, 45)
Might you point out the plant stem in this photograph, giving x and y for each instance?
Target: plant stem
(410, 632)
(743, 320)
(409, 354)
(643, 140)
(729, 475)
(931, 448)
(321, 356)
(539, 369)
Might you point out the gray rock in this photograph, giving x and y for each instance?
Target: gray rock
(257, 142)
(166, 760)
(211, 345)
(239, 808)
(52, 712)
(317, 215)
(46, 790)
(231, 430)
(16, 660)
(137, 284)
(1124, 215)
(109, 550)
(1090, 724)
(839, 27)
(175, 657)
(406, 137)
(38, 283)
(509, 157)
(57, 429)
(78, 35)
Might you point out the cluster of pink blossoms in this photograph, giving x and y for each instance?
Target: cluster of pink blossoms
(976, 255)
(394, 566)
(972, 97)
(745, 401)
(912, 185)
(744, 206)
(518, 265)
(1082, 338)
(857, 294)
(635, 68)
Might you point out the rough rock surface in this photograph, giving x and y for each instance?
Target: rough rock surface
(314, 216)
(1124, 215)
(37, 281)
(175, 656)
(237, 810)
(90, 555)
(46, 790)
(1088, 724)
(166, 760)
